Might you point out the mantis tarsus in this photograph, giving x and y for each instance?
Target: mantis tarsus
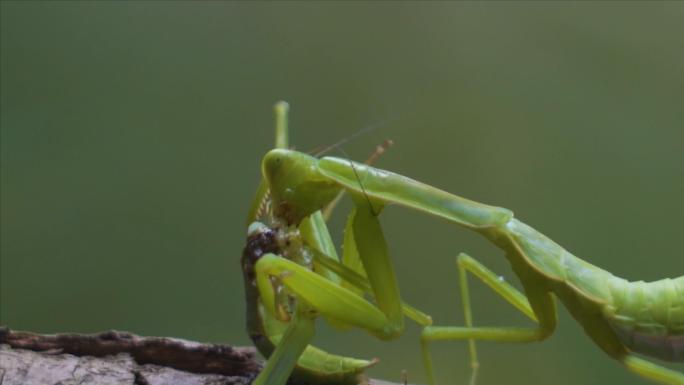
(293, 274)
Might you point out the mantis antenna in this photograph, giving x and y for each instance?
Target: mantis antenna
(379, 150)
(358, 179)
(355, 135)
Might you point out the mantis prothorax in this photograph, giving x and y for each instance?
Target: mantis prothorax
(293, 274)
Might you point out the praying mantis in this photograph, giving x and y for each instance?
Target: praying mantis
(293, 275)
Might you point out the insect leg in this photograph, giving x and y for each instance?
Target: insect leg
(257, 207)
(322, 295)
(282, 139)
(330, 299)
(360, 283)
(544, 301)
(653, 372)
(349, 273)
(373, 252)
(299, 333)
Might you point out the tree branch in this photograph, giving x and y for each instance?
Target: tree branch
(115, 357)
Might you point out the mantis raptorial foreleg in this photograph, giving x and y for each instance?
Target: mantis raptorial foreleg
(361, 284)
(334, 301)
(322, 295)
(545, 303)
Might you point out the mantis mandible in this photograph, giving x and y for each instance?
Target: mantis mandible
(293, 275)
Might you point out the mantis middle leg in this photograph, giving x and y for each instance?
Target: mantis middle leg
(543, 313)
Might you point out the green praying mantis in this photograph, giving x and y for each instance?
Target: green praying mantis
(293, 275)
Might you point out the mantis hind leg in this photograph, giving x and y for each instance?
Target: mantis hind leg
(651, 371)
(543, 310)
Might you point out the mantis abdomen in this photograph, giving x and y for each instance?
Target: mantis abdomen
(648, 317)
(644, 317)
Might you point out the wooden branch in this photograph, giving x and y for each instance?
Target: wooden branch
(115, 357)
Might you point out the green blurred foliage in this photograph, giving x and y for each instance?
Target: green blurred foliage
(132, 134)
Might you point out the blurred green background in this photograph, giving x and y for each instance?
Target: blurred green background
(132, 135)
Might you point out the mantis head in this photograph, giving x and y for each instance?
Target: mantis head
(297, 186)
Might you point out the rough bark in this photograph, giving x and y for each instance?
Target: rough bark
(121, 358)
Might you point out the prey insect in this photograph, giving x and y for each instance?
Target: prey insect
(293, 275)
